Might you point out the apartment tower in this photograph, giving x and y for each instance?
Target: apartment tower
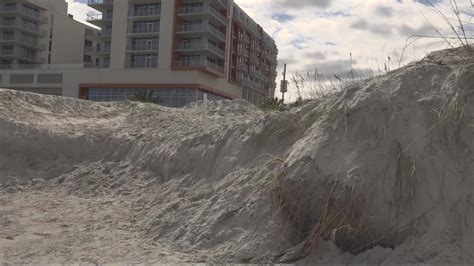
(178, 50)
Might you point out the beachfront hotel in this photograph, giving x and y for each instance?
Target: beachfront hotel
(178, 50)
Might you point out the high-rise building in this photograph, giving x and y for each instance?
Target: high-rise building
(177, 50)
(38, 32)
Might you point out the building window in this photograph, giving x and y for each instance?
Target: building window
(10, 6)
(144, 44)
(27, 53)
(193, 8)
(146, 26)
(171, 97)
(29, 25)
(29, 39)
(7, 50)
(191, 43)
(31, 11)
(8, 35)
(106, 63)
(144, 61)
(6, 64)
(146, 10)
(191, 25)
(9, 21)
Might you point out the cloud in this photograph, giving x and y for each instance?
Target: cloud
(317, 56)
(300, 4)
(282, 17)
(332, 66)
(384, 11)
(382, 29)
(429, 2)
(360, 24)
(408, 30)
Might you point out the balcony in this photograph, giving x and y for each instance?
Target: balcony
(95, 65)
(6, 66)
(14, 53)
(223, 3)
(200, 63)
(99, 19)
(147, 13)
(145, 29)
(203, 10)
(88, 49)
(100, 5)
(32, 44)
(20, 10)
(202, 28)
(200, 46)
(137, 48)
(23, 27)
(103, 50)
(246, 83)
(148, 64)
(105, 34)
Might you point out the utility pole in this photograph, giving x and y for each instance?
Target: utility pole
(284, 85)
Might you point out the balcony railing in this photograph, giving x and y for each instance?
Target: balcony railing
(19, 54)
(16, 38)
(202, 28)
(223, 3)
(26, 27)
(141, 64)
(6, 66)
(143, 47)
(88, 48)
(199, 46)
(105, 49)
(145, 28)
(95, 65)
(145, 13)
(105, 33)
(24, 11)
(200, 63)
(99, 17)
(203, 10)
(100, 2)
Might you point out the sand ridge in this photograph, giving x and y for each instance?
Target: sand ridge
(378, 173)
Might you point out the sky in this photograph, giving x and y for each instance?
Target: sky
(335, 36)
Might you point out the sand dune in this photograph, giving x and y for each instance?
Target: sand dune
(381, 172)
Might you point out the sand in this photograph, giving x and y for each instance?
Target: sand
(380, 173)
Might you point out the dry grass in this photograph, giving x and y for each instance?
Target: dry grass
(340, 217)
(455, 35)
(450, 120)
(341, 221)
(315, 85)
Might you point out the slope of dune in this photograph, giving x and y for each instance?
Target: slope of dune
(381, 172)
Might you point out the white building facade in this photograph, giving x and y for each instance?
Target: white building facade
(174, 49)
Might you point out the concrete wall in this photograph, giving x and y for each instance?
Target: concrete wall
(74, 78)
(68, 34)
(119, 34)
(166, 34)
(68, 41)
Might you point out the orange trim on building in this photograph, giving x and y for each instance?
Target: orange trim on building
(206, 70)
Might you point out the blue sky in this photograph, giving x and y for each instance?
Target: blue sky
(323, 33)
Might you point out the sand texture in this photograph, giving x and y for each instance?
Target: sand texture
(381, 173)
